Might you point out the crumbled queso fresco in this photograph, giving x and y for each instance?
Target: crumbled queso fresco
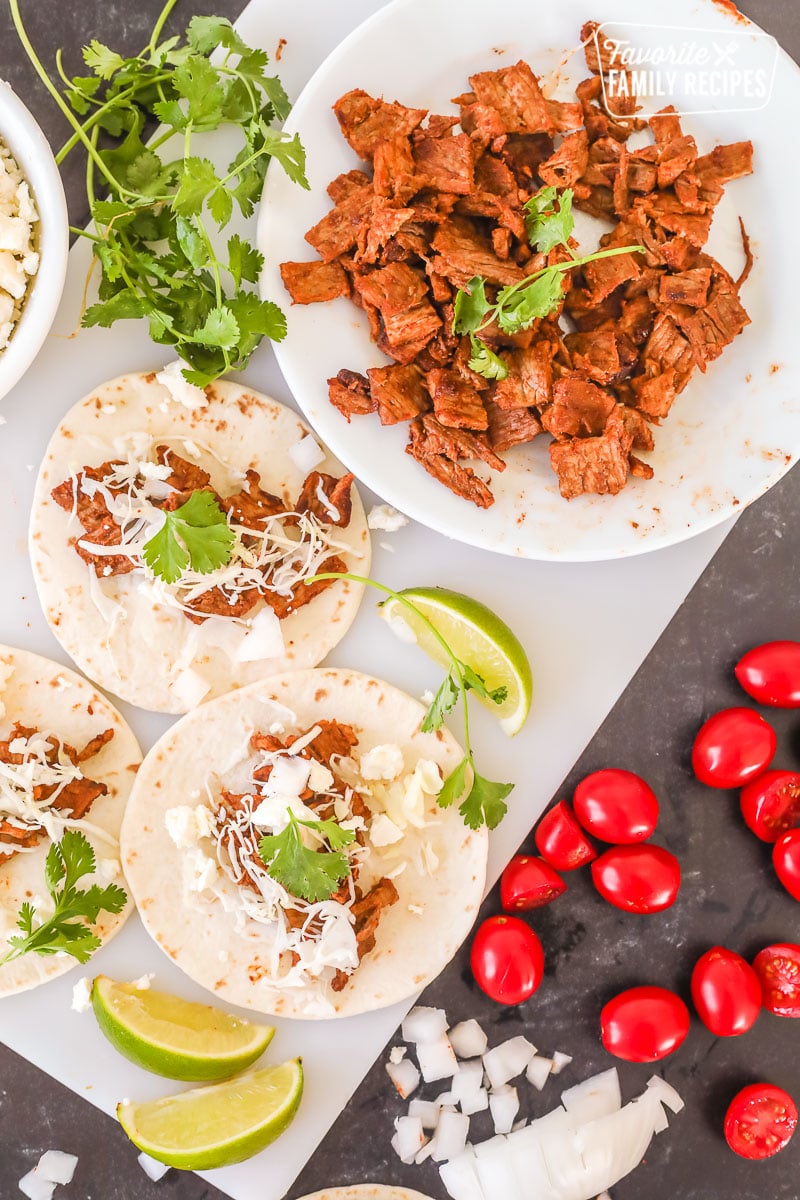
(19, 261)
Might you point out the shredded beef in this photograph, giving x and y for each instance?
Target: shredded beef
(327, 497)
(398, 393)
(350, 393)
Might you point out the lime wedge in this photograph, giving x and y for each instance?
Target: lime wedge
(479, 638)
(217, 1125)
(174, 1037)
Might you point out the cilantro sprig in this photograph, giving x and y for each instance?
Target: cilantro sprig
(549, 223)
(312, 874)
(196, 534)
(68, 930)
(154, 213)
(482, 801)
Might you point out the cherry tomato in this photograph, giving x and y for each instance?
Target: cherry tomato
(760, 1121)
(561, 841)
(771, 804)
(638, 879)
(644, 1024)
(733, 747)
(616, 806)
(771, 674)
(529, 883)
(786, 860)
(726, 992)
(778, 971)
(507, 959)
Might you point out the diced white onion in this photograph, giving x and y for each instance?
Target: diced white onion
(593, 1098)
(507, 1060)
(57, 1167)
(288, 777)
(189, 687)
(560, 1061)
(436, 1059)
(467, 1080)
(152, 1168)
(475, 1102)
(408, 1139)
(450, 1137)
(424, 1024)
(264, 638)
(445, 1100)
(666, 1093)
(306, 454)
(397, 1054)
(468, 1039)
(539, 1071)
(460, 1177)
(504, 1105)
(427, 1111)
(424, 1154)
(35, 1188)
(405, 1077)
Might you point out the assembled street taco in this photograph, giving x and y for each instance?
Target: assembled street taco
(285, 847)
(67, 761)
(171, 534)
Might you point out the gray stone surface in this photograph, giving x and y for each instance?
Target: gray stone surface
(747, 594)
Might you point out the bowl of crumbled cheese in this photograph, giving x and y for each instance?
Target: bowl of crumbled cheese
(34, 238)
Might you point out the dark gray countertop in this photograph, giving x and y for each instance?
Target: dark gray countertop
(746, 595)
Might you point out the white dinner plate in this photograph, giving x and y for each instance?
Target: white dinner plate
(731, 434)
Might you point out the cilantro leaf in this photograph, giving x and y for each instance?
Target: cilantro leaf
(485, 804)
(120, 307)
(453, 786)
(220, 328)
(197, 82)
(312, 875)
(471, 306)
(197, 534)
(101, 60)
(290, 154)
(256, 319)
(519, 309)
(244, 261)
(68, 929)
(206, 33)
(197, 179)
(476, 683)
(548, 219)
(484, 361)
(443, 702)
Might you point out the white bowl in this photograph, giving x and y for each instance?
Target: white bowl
(31, 149)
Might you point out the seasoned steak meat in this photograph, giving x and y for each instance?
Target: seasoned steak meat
(445, 204)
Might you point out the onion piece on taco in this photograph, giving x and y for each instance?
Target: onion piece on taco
(285, 846)
(67, 761)
(171, 540)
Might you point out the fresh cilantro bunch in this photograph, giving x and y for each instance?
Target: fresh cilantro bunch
(197, 534)
(310, 874)
(76, 909)
(154, 213)
(549, 223)
(484, 802)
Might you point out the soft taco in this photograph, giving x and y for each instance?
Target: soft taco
(244, 485)
(67, 761)
(285, 846)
